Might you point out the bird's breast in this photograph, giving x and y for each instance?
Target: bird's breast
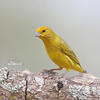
(55, 55)
(52, 50)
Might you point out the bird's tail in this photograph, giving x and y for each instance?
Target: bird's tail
(79, 68)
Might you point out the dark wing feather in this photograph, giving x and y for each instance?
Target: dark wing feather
(68, 51)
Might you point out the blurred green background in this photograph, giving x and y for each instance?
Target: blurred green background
(76, 21)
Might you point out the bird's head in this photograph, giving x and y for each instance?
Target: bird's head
(44, 32)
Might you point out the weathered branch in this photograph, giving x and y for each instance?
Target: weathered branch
(17, 85)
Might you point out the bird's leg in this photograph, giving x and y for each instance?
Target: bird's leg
(55, 69)
(51, 70)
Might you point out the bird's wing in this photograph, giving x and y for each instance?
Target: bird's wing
(64, 48)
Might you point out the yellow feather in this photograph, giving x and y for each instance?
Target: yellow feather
(59, 51)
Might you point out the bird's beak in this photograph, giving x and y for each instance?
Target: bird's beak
(37, 34)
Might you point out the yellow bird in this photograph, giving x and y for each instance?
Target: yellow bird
(58, 51)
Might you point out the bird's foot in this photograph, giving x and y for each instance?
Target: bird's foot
(55, 69)
(51, 71)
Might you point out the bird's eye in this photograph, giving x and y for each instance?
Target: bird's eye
(44, 31)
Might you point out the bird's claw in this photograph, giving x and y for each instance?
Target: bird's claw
(49, 71)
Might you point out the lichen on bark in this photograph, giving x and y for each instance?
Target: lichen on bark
(17, 85)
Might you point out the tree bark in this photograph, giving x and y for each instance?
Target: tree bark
(47, 85)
